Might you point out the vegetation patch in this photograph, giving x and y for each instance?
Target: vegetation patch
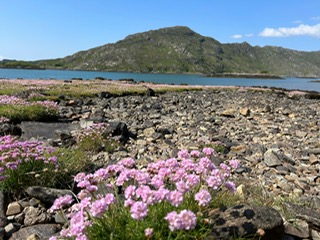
(17, 109)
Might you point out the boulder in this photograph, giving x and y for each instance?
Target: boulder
(42, 231)
(46, 195)
(246, 221)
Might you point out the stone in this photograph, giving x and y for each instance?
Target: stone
(3, 218)
(315, 235)
(308, 215)
(297, 228)
(46, 195)
(313, 159)
(11, 228)
(33, 237)
(37, 215)
(148, 132)
(245, 111)
(43, 231)
(44, 130)
(271, 159)
(13, 208)
(241, 221)
(228, 113)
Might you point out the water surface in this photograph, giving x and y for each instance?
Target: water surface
(190, 79)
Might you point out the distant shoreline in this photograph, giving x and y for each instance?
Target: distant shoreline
(244, 75)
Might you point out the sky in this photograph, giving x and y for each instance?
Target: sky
(47, 29)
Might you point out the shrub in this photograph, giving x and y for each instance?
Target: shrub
(166, 200)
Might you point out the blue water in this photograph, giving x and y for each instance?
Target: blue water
(190, 79)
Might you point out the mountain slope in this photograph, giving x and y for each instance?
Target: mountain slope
(181, 50)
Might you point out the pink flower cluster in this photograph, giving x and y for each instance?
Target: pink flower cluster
(185, 220)
(160, 182)
(13, 152)
(94, 130)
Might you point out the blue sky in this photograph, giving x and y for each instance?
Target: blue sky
(43, 29)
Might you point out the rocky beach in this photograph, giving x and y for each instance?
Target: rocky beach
(274, 133)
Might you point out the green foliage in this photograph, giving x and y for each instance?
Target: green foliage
(94, 139)
(20, 113)
(18, 64)
(71, 161)
(30, 173)
(119, 224)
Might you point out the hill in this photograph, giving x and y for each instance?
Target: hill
(181, 50)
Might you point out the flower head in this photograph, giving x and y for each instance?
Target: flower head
(203, 197)
(139, 210)
(185, 220)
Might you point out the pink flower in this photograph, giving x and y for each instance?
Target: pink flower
(185, 220)
(60, 202)
(130, 191)
(80, 177)
(99, 206)
(157, 181)
(208, 151)
(182, 186)
(188, 219)
(101, 174)
(182, 154)
(175, 198)
(206, 164)
(192, 180)
(161, 194)
(122, 178)
(234, 163)
(139, 210)
(215, 179)
(129, 202)
(195, 153)
(148, 232)
(230, 186)
(203, 197)
(174, 221)
(128, 162)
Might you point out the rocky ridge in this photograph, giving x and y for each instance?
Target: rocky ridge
(274, 134)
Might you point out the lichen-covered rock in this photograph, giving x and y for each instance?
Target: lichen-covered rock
(245, 221)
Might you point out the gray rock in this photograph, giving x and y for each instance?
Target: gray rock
(297, 228)
(241, 221)
(271, 158)
(3, 218)
(46, 195)
(310, 216)
(37, 215)
(43, 130)
(11, 228)
(43, 231)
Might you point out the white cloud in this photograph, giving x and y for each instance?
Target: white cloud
(249, 35)
(236, 36)
(301, 30)
(1, 58)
